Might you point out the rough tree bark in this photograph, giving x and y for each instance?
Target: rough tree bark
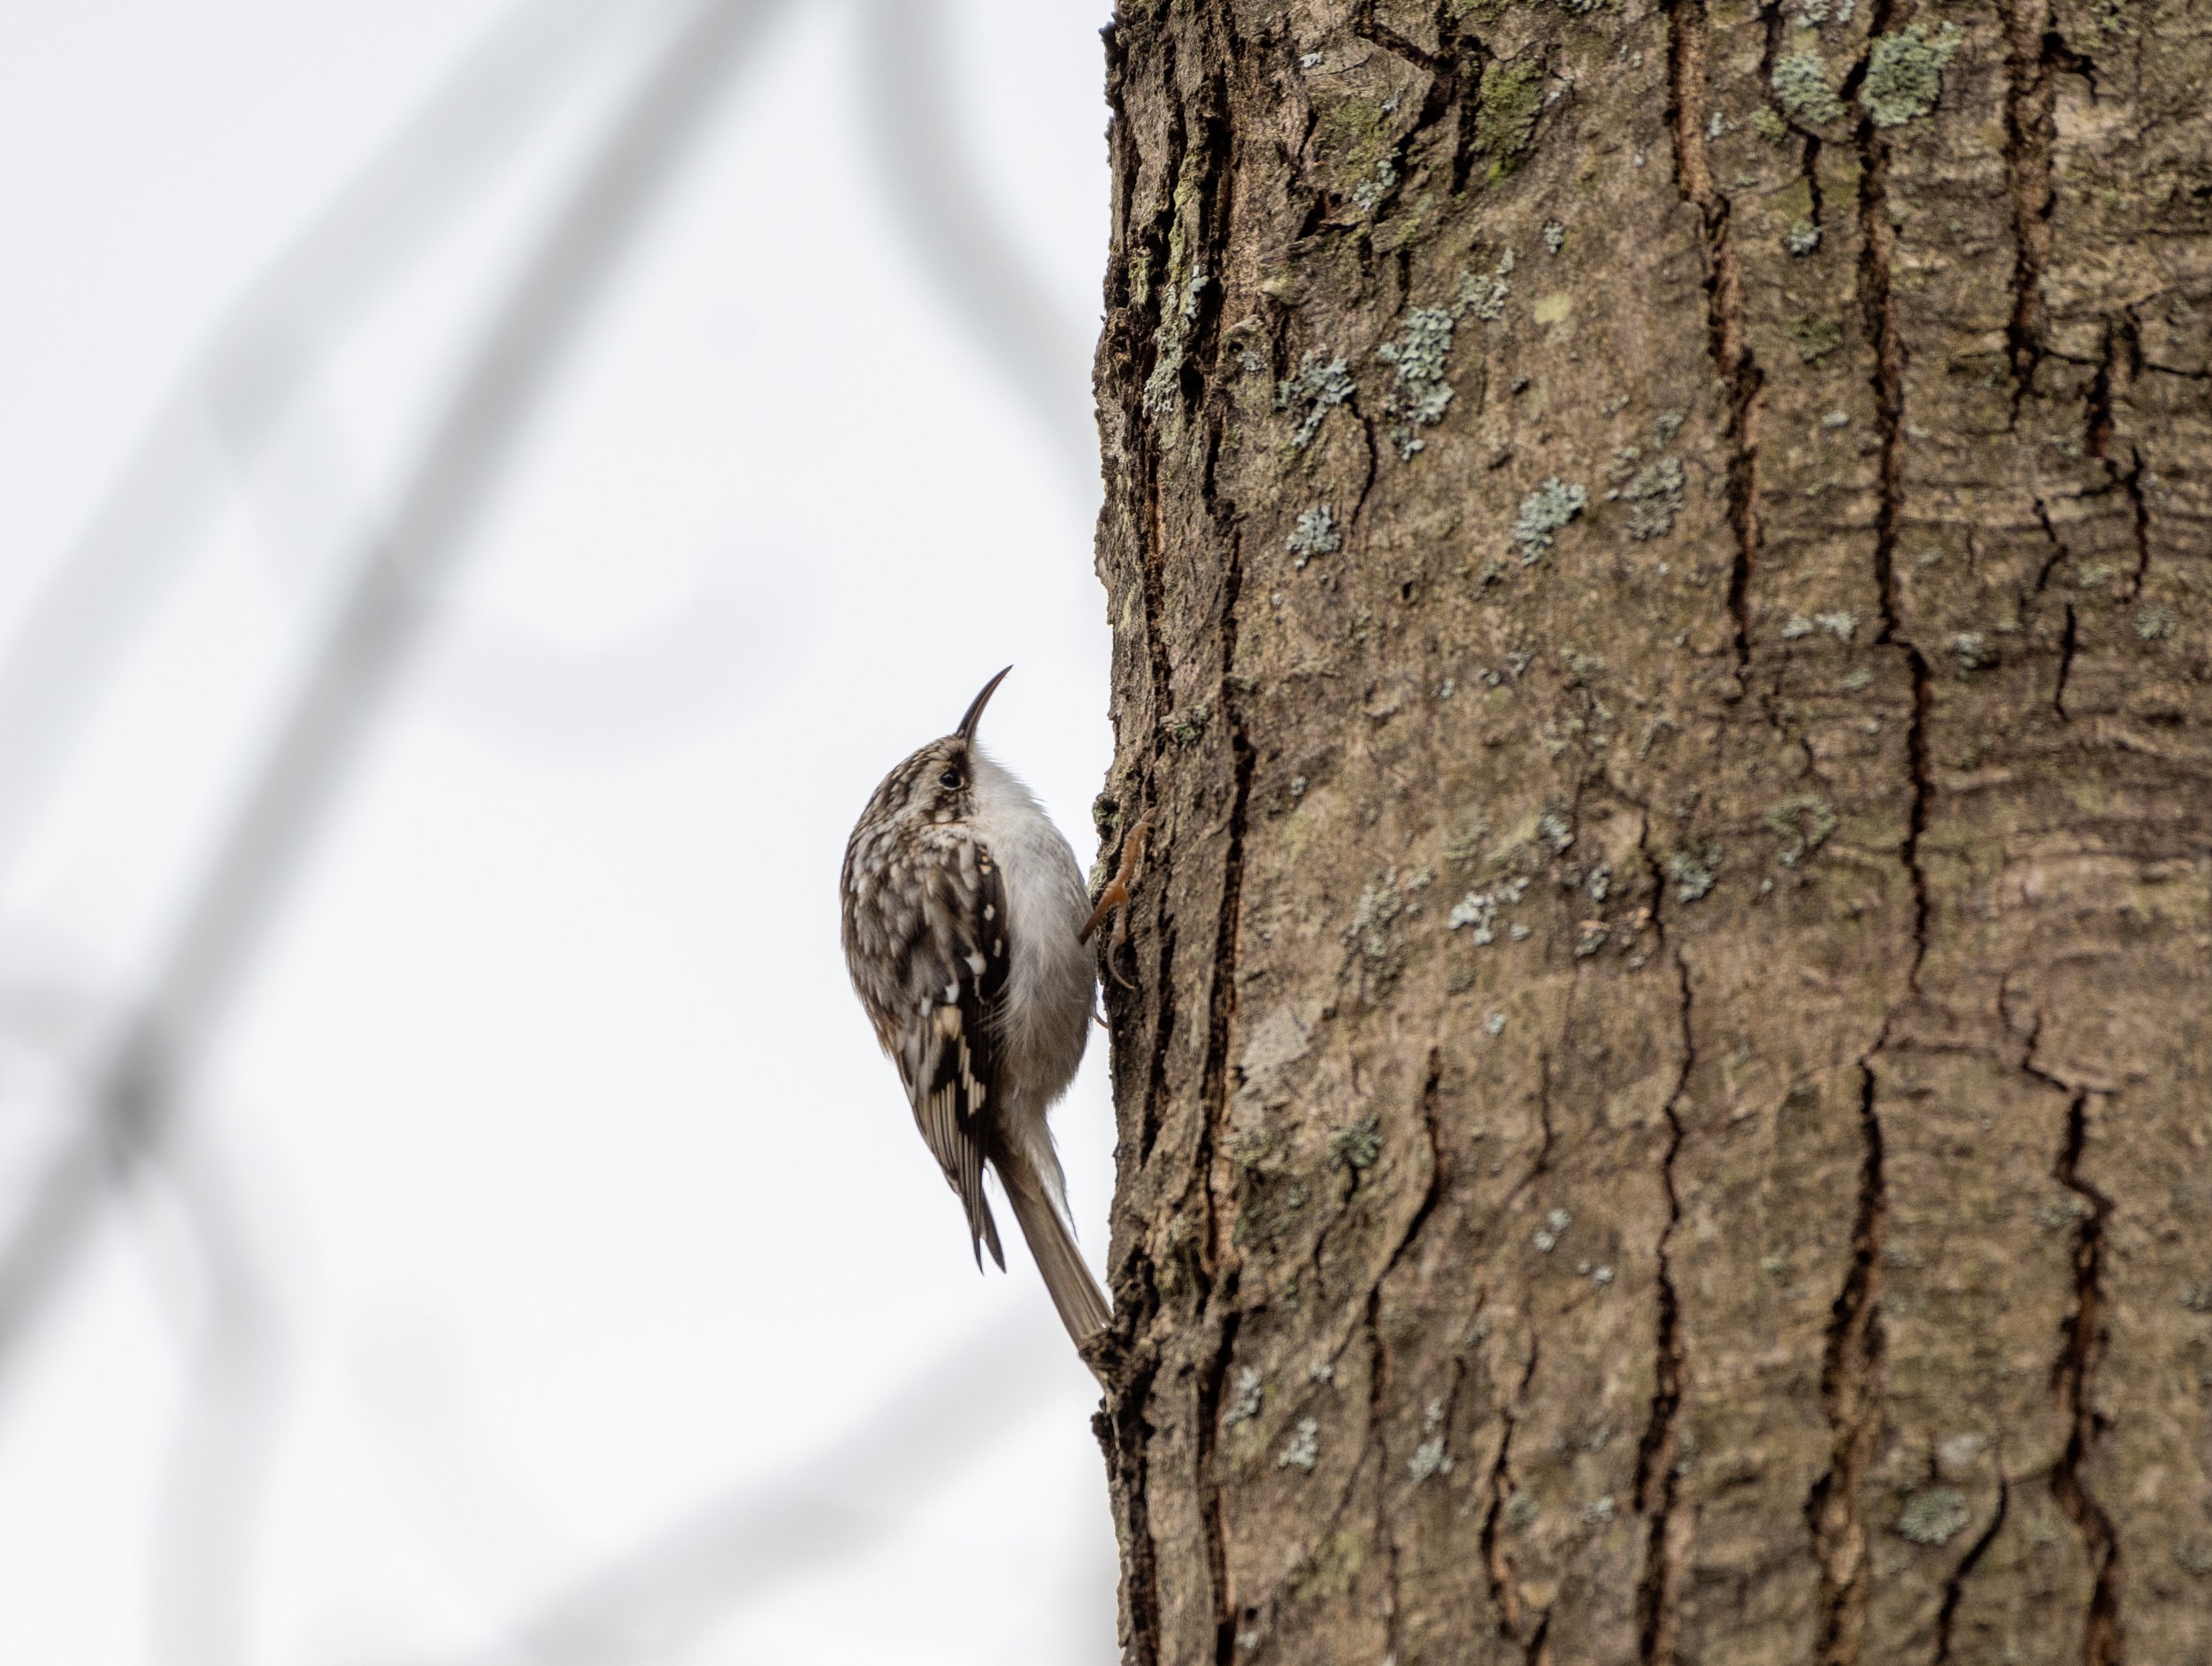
(1659, 566)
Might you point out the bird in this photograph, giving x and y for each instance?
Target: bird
(964, 920)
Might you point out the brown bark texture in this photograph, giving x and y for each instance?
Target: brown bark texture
(1661, 564)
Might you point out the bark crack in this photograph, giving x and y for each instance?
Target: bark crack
(1211, 1525)
(1433, 1192)
(1849, 1389)
(2082, 1335)
(2031, 97)
(1688, 96)
(1878, 241)
(1504, 1599)
(1155, 1088)
(1954, 1587)
(1658, 1479)
(1218, 1290)
(2123, 351)
(2068, 641)
(1124, 1432)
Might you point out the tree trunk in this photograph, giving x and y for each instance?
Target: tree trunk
(1658, 561)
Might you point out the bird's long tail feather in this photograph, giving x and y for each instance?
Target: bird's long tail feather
(1039, 1196)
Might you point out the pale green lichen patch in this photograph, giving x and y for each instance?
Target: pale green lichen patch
(1484, 293)
(1352, 138)
(1480, 909)
(1654, 496)
(1189, 728)
(1369, 192)
(1314, 534)
(1802, 822)
(1420, 395)
(1802, 85)
(1904, 72)
(1318, 386)
(1357, 1146)
(2154, 620)
(1244, 1400)
(1430, 1457)
(1375, 929)
(1767, 122)
(1543, 512)
(1802, 239)
(1815, 336)
(1975, 651)
(1934, 1515)
(1692, 872)
(1304, 1447)
(1160, 387)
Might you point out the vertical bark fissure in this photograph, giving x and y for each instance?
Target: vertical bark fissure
(2068, 641)
(1852, 1361)
(1688, 95)
(2123, 351)
(2030, 99)
(1124, 1432)
(1212, 1377)
(1433, 1187)
(1466, 142)
(1538, 1650)
(1877, 252)
(2073, 1378)
(1658, 1480)
(1849, 1391)
(1222, 999)
(1378, 1374)
(1505, 1601)
(1155, 1083)
(1208, 238)
(1954, 1587)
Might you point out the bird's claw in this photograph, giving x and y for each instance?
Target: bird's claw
(1114, 899)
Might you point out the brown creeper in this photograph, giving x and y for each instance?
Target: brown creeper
(964, 917)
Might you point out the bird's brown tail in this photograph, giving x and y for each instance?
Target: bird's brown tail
(1034, 1186)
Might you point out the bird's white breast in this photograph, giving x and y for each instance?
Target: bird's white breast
(1050, 984)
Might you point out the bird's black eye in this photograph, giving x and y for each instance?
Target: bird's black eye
(951, 777)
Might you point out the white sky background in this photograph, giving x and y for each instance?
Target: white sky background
(585, 1217)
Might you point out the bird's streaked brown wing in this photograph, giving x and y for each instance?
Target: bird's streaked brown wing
(954, 1073)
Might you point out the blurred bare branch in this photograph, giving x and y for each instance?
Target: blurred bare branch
(399, 574)
(222, 1454)
(253, 367)
(933, 195)
(933, 1428)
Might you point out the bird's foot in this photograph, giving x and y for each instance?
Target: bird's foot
(1114, 899)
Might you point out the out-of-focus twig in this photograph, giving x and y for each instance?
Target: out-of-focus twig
(931, 1429)
(398, 575)
(932, 195)
(252, 368)
(223, 1451)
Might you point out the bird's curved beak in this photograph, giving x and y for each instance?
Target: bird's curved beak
(966, 731)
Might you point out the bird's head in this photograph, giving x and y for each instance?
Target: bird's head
(937, 784)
